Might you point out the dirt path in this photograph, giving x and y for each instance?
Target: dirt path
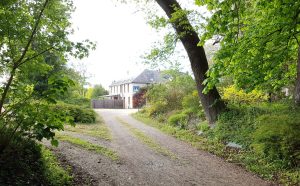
(141, 165)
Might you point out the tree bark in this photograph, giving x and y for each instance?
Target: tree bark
(211, 102)
(297, 87)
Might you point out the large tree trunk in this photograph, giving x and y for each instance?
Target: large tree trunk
(297, 88)
(211, 102)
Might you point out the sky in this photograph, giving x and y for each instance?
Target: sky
(122, 36)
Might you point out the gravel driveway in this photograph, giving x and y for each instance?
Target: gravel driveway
(141, 165)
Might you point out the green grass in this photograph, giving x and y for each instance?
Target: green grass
(89, 146)
(53, 172)
(147, 140)
(98, 129)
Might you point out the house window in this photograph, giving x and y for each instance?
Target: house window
(127, 87)
(136, 88)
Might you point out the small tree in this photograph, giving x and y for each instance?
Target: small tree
(34, 38)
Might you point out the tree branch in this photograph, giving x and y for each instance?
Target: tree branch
(33, 32)
(15, 66)
(35, 56)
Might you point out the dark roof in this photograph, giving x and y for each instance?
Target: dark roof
(146, 77)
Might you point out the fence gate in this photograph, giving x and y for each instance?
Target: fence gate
(108, 103)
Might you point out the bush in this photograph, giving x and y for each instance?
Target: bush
(180, 120)
(25, 162)
(79, 114)
(203, 126)
(237, 96)
(192, 101)
(156, 109)
(237, 124)
(278, 137)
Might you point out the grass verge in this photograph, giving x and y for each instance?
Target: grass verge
(53, 172)
(147, 140)
(89, 146)
(98, 129)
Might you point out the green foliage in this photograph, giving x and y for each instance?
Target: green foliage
(203, 126)
(96, 92)
(168, 96)
(259, 42)
(79, 101)
(53, 172)
(237, 125)
(240, 125)
(237, 96)
(278, 137)
(191, 102)
(26, 163)
(179, 120)
(34, 49)
(79, 114)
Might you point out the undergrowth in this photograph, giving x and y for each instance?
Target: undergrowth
(268, 133)
(29, 163)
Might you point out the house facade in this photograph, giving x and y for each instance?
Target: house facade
(125, 89)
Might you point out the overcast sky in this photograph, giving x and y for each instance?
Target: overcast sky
(122, 36)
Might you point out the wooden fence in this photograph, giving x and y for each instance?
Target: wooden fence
(108, 103)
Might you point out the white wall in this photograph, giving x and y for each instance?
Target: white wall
(125, 94)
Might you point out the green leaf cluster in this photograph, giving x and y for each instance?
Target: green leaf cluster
(259, 42)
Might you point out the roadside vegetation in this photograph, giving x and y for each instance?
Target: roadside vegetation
(97, 129)
(243, 105)
(251, 130)
(29, 163)
(40, 93)
(89, 146)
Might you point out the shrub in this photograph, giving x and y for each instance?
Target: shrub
(237, 124)
(25, 162)
(203, 126)
(278, 137)
(79, 114)
(156, 109)
(192, 101)
(180, 120)
(237, 96)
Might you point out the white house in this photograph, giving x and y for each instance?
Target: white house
(125, 89)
